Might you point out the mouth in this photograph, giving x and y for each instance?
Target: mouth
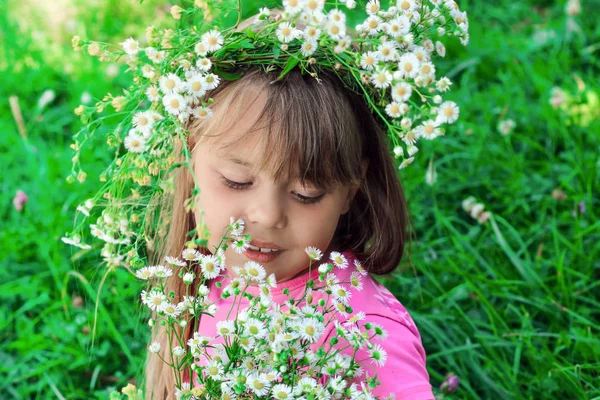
(264, 247)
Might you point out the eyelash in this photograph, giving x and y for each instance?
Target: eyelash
(244, 186)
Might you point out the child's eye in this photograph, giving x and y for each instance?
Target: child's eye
(245, 185)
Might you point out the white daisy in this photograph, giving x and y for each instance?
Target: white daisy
(405, 5)
(200, 49)
(196, 86)
(286, 32)
(255, 271)
(378, 355)
(312, 32)
(143, 122)
(381, 78)
(214, 369)
(188, 278)
(170, 84)
(387, 51)
(336, 30)
(153, 94)
(341, 293)
(408, 65)
(175, 261)
(148, 71)
(428, 130)
(401, 91)
(190, 254)
(393, 110)
(338, 259)
(373, 7)
(314, 7)
(145, 273)
(258, 384)
(210, 267)
(225, 328)
(174, 103)
(163, 272)
(153, 299)
(308, 47)
(372, 25)
(255, 328)
(313, 253)
(135, 143)
(281, 392)
(398, 26)
(204, 64)
(213, 40)
(343, 44)
(443, 84)
(448, 112)
(310, 329)
(336, 16)
(369, 60)
(170, 309)
(131, 46)
(292, 7)
(211, 81)
(356, 280)
(240, 245)
(427, 70)
(202, 112)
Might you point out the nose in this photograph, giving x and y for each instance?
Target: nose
(267, 209)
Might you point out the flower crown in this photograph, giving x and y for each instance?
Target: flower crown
(389, 62)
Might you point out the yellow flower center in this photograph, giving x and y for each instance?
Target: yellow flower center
(428, 129)
(258, 384)
(210, 267)
(174, 103)
(405, 5)
(213, 370)
(334, 29)
(170, 83)
(310, 330)
(212, 40)
(286, 31)
(196, 86)
(373, 24)
(448, 111)
(408, 67)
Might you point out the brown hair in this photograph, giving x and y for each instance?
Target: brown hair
(321, 131)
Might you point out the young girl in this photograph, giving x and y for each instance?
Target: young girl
(304, 163)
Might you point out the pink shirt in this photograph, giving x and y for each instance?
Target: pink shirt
(404, 373)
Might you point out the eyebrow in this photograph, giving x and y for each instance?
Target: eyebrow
(240, 162)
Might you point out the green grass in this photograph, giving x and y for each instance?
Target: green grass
(512, 306)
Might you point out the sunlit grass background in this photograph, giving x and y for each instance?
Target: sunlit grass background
(510, 306)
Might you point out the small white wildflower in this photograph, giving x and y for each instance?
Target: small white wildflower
(204, 64)
(313, 253)
(505, 127)
(170, 84)
(178, 351)
(131, 46)
(190, 254)
(369, 60)
(393, 109)
(135, 143)
(210, 267)
(381, 79)
(373, 7)
(286, 32)
(339, 259)
(443, 84)
(152, 94)
(174, 104)
(255, 271)
(378, 355)
(213, 40)
(145, 273)
(188, 278)
(154, 347)
(448, 112)
(308, 48)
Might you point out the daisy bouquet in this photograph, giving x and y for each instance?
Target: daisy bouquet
(265, 350)
(388, 58)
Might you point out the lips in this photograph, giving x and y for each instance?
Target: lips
(265, 245)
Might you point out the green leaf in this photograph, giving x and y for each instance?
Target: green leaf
(289, 65)
(228, 76)
(276, 51)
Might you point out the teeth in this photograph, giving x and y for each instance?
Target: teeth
(255, 248)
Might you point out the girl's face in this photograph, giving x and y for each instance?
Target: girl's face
(284, 213)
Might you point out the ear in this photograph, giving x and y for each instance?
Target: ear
(354, 189)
